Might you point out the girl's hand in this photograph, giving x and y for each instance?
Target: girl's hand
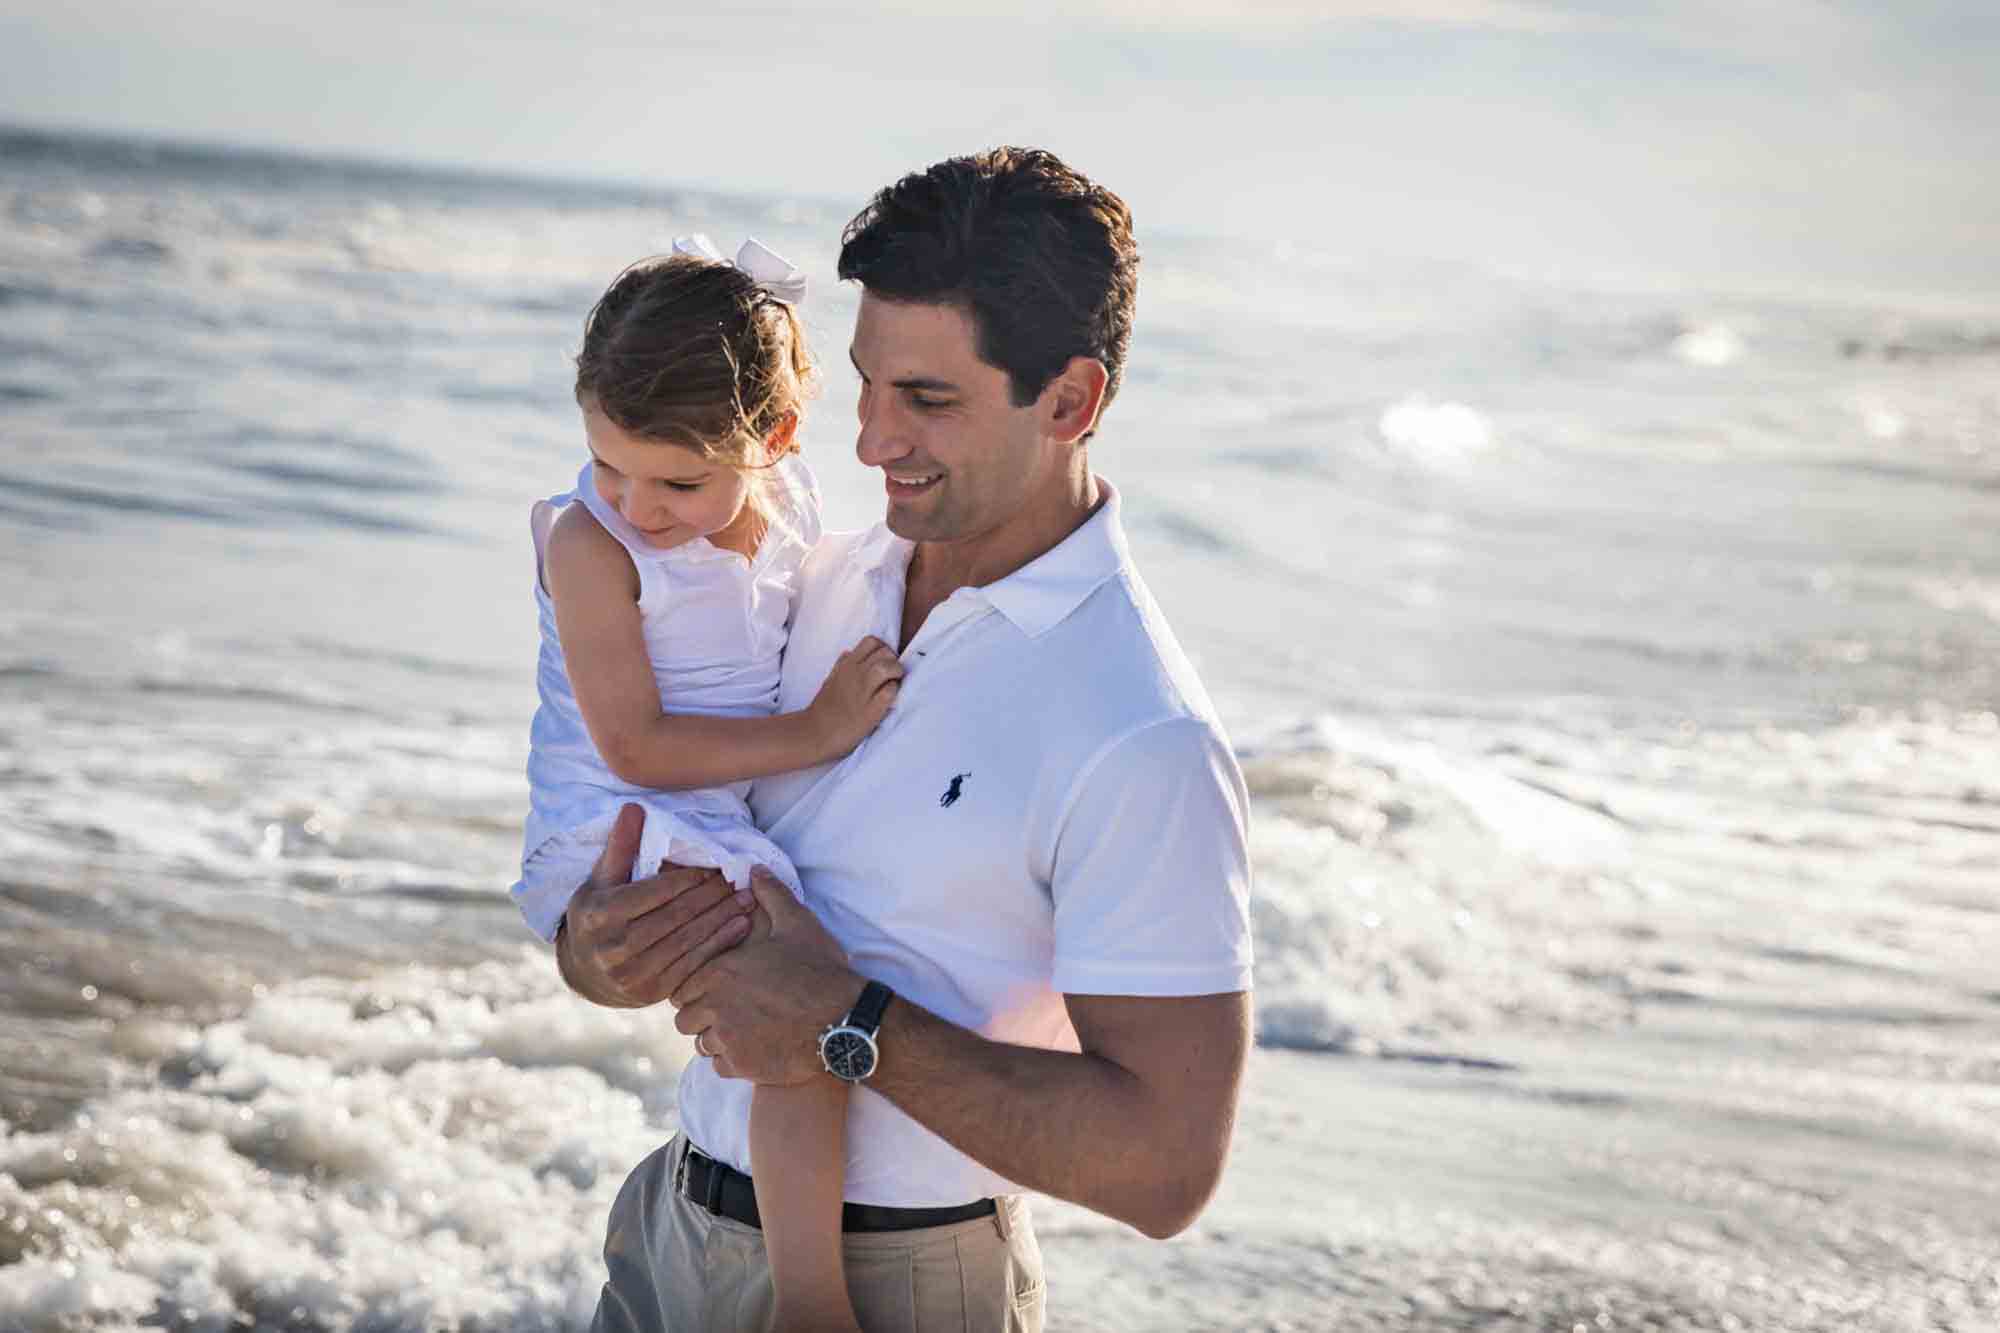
(856, 695)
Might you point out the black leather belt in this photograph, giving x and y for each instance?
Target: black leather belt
(727, 1192)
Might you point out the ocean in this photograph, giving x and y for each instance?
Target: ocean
(1614, 667)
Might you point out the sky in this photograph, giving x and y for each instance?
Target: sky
(1832, 143)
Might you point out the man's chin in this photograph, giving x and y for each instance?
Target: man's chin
(910, 525)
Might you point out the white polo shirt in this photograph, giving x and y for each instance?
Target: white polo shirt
(1050, 808)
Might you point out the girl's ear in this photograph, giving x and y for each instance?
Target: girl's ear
(782, 439)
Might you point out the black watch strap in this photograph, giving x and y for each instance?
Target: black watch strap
(868, 1010)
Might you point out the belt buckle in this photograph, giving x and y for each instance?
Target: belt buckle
(681, 1171)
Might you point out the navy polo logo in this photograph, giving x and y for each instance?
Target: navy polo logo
(954, 791)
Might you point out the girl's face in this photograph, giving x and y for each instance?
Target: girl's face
(669, 493)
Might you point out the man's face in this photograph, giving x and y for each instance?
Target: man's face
(960, 462)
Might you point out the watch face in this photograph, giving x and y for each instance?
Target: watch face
(849, 1053)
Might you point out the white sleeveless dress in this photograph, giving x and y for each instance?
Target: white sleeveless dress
(715, 626)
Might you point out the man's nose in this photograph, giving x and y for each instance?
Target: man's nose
(878, 441)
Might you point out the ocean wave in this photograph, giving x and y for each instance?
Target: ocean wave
(1936, 342)
(1391, 883)
(205, 679)
(532, 398)
(1693, 656)
(308, 477)
(132, 249)
(29, 517)
(285, 507)
(362, 520)
(426, 1148)
(243, 692)
(378, 448)
(313, 646)
(1440, 894)
(1282, 460)
(565, 304)
(22, 291)
(1188, 532)
(1974, 473)
(92, 499)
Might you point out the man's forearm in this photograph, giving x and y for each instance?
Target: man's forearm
(1145, 1148)
(1137, 1126)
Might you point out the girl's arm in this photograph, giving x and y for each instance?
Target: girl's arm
(596, 592)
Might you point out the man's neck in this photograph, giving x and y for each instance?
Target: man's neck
(939, 569)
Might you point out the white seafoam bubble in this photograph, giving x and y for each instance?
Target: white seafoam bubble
(1434, 432)
(368, 1154)
(1960, 594)
(1882, 419)
(1713, 344)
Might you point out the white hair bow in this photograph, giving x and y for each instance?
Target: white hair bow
(771, 270)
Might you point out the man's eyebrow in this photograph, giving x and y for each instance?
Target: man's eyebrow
(923, 383)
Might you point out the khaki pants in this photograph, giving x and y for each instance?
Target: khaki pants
(675, 1267)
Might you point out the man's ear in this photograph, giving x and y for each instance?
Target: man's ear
(1071, 401)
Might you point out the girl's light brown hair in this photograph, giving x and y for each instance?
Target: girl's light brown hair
(692, 352)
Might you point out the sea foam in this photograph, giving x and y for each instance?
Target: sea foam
(429, 1148)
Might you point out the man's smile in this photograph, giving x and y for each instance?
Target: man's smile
(916, 484)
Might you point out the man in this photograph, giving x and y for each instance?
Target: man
(1028, 888)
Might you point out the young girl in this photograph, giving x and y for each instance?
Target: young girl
(665, 585)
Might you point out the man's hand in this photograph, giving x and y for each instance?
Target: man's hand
(760, 1008)
(627, 945)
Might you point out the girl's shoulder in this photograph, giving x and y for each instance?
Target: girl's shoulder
(577, 529)
(577, 547)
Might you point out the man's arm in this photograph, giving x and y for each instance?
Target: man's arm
(1150, 893)
(1136, 1126)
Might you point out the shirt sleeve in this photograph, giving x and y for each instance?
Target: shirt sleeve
(1151, 877)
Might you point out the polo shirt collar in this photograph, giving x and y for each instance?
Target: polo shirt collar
(1040, 594)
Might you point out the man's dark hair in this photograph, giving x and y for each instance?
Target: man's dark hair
(1039, 256)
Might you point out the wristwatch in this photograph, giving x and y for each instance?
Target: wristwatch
(847, 1048)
